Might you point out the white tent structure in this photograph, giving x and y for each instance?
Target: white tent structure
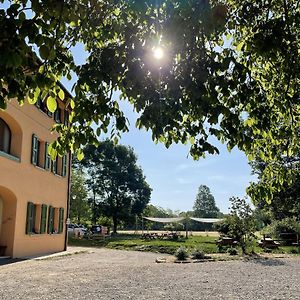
(165, 220)
(180, 219)
(206, 220)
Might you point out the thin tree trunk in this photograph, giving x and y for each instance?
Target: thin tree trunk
(115, 224)
(94, 207)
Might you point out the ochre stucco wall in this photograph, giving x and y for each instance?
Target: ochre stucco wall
(30, 183)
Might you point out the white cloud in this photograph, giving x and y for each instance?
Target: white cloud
(185, 180)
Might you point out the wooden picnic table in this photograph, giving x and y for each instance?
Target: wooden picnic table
(268, 243)
(226, 241)
(162, 236)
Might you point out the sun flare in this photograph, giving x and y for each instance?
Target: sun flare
(158, 53)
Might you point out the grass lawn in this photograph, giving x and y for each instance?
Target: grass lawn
(125, 241)
(134, 242)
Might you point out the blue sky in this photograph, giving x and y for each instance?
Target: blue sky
(173, 175)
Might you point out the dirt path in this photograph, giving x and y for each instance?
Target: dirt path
(111, 274)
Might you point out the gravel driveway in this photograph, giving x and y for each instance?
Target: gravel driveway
(111, 274)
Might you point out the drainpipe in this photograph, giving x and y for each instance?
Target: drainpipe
(68, 200)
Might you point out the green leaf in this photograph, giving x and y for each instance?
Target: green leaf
(3, 104)
(61, 94)
(98, 131)
(36, 93)
(239, 46)
(80, 155)
(22, 16)
(51, 104)
(115, 140)
(31, 100)
(44, 52)
(51, 150)
(72, 103)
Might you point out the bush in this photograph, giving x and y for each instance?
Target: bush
(222, 227)
(293, 251)
(284, 229)
(198, 254)
(268, 250)
(181, 253)
(232, 251)
(174, 227)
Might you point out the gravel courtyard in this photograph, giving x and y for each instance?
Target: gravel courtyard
(111, 274)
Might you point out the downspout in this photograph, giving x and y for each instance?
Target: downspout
(68, 200)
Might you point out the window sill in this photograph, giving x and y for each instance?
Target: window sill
(58, 175)
(9, 156)
(34, 234)
(40, 168)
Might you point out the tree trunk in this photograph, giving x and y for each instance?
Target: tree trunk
(115, 224)
(94, 207)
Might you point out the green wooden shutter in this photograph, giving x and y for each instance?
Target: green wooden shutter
(54, 166)
(61, 220)
(66, 118)
(38, 102)
(57, 115)
(49, 113)
(50, 219)
(43, 218)
(30, 218)
(64, 166)
(47, 157)
(34, 150)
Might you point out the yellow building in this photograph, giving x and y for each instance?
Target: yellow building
(34, 190)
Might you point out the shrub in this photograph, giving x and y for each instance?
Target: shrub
(222, 227)
(268, 250)
(232, 251)
(198, 254)
(174, 227)
(181, 253)
(284, 229)
(241, 222)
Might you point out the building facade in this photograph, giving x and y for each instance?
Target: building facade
(34, 190)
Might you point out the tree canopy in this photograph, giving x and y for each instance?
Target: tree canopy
(205, 205)
(119, 184)
(230, 70)
(79, 206)
(285, 203)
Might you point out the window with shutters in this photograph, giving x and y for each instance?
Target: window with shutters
(57, 115)
(51, 211)
(61, 220)
(56, 220)
(66, 118)
(58, 167)
(5, 137)
(64, 166)
(47, 159)
(43, 218)
(30, 220)
(42, 106)
(38, 152)
(54, 164)
(35, 149)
